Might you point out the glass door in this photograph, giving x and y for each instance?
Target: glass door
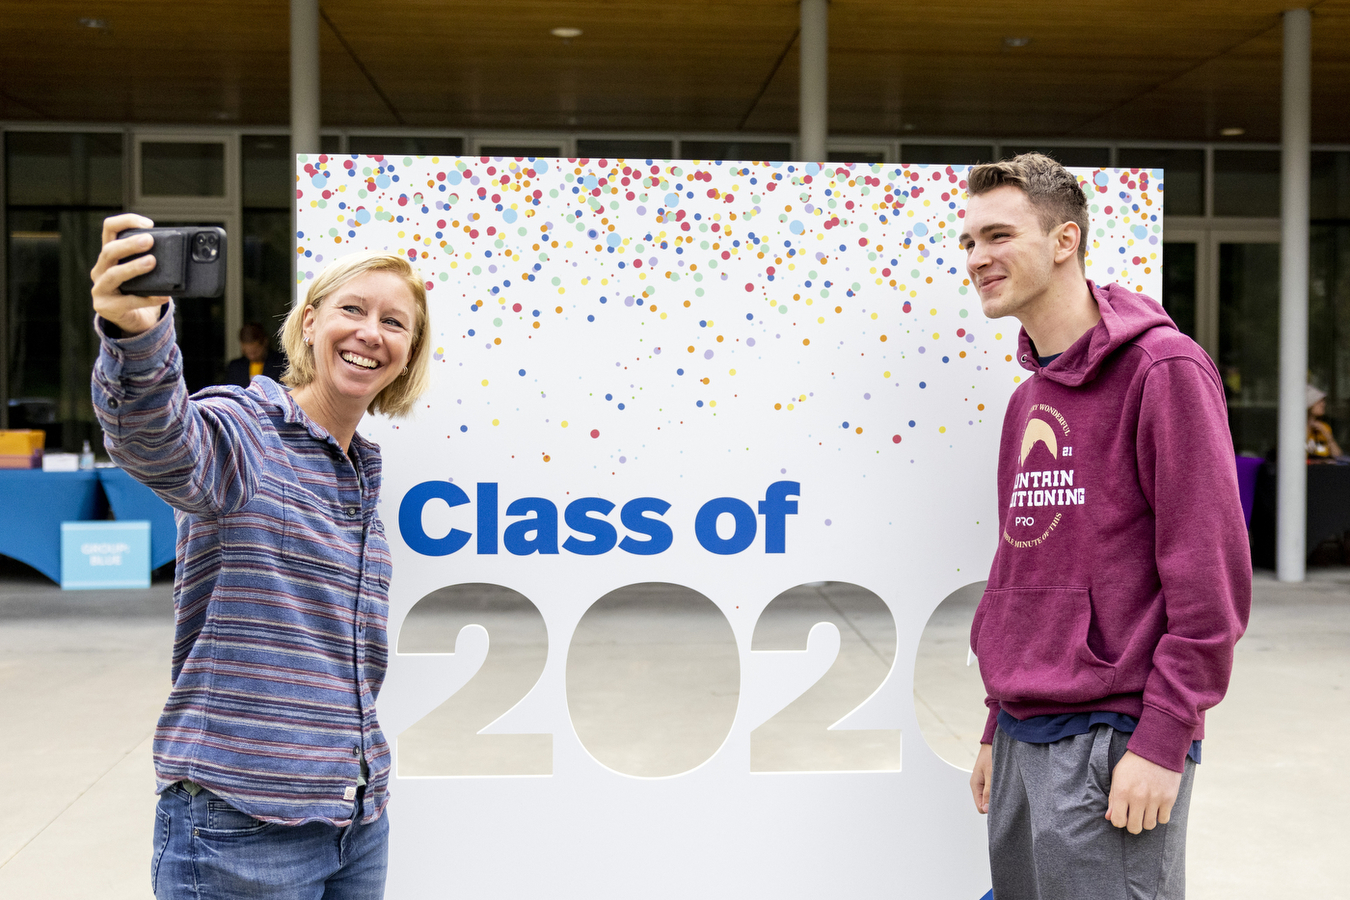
(1329, 321)
(1247, 288)
(193, 179)
(202, 328)
(1183, 291)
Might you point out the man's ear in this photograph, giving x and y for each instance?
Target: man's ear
(1067, 239)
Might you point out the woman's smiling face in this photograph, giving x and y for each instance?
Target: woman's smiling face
(361, 336)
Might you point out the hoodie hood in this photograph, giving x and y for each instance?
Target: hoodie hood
(1125, 316)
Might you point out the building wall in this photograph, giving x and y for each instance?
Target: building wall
(1221, 233)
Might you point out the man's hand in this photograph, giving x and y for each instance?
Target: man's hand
(1142, 793)
(979, 779)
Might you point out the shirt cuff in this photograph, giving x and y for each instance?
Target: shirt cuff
(128, 367)
(141, 352)
(1161, 739)
(990, 726)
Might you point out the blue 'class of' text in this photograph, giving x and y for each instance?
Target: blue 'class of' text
(587, 519)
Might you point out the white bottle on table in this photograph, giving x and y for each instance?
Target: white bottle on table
(86, 457)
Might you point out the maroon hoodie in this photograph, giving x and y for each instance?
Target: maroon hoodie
(1122, 578)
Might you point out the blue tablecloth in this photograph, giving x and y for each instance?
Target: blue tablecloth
(34, 503)
(131, 501)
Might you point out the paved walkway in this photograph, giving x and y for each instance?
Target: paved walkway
(83, 675)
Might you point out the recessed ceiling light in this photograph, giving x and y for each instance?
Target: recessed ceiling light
(566, 33)
(1232, 132)
(98, 24)
(1016, 41)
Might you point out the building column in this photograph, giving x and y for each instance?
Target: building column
(1291, 551)
(304, 76)
(814, 104)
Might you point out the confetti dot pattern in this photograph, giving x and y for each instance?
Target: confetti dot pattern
(794, 296)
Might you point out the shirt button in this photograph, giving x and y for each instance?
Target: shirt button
(353, 511)
(112, 404)
(356, 750)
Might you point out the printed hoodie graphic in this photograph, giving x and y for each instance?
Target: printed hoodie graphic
(1044, 482)
(1122, 578)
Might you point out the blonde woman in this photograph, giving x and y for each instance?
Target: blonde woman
(270, 764)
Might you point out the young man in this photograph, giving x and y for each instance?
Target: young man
(1122, 578)
(258, 358)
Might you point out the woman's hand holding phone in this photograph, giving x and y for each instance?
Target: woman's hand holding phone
(133, 314)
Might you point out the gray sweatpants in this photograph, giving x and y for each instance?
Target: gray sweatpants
(1049, 838)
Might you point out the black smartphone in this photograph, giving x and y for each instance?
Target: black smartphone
(189, 262)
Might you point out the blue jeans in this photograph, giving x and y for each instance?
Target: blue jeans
(206, 849)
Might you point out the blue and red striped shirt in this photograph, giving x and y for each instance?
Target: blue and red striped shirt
(281, 588)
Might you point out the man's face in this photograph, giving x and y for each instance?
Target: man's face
(255, 351)
(1009, 257)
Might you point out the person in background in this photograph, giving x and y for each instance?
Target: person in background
(258, 359)
(1322, 444)
(1122, 578)
(270, 764)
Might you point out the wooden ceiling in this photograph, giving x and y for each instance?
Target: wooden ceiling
(1146, 69)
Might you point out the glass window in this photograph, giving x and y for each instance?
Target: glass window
(513, 151)
(1329, 323)
(63, 169)
(872, 157)
(403, 145)
(266, 247)
(760, 150)
(946, 154)
(269, 268)
(1178, 273)
(1246, 183)
(625, 149)
(268, 170)
(1072, 157)
(50, 345)
(330, 143)
(1330, 185)
(1249, 328)
(1183, 174)
(200, 327)
(183, 169)
(60, 187)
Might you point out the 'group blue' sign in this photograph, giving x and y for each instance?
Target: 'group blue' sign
(105, 555)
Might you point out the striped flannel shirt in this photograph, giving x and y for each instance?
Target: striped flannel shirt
(281, 588)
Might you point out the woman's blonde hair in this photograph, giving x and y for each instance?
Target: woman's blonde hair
(398, 398)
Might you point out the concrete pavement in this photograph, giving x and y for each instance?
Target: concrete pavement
(83, 675)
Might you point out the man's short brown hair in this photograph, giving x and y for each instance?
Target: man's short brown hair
(1054, 193)
(253, 333)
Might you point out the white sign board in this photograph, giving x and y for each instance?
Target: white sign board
(733, 378)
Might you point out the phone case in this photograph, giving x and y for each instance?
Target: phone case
(176, 274)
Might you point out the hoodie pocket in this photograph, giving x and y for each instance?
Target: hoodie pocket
(1032, 646)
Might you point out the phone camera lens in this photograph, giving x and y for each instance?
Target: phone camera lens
(205, 246)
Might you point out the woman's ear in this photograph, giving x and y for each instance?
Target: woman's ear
(307, 326)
